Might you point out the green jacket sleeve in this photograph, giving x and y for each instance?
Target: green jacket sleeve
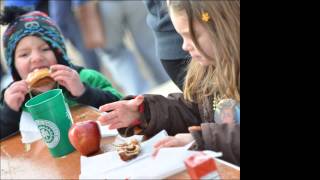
(98, 90)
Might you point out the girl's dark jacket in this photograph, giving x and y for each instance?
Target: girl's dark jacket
(175, 115)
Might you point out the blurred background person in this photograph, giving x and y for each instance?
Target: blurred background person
(61, 11)
(168, 42)
(120, 17)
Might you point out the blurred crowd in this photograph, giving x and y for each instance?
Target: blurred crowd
(120, 44)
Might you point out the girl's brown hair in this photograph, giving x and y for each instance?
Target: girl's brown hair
(222, 79)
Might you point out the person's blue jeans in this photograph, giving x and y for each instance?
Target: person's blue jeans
(119, 17)
(61, 12)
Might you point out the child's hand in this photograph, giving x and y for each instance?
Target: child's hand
(14, 96)
(122, 114)
(69, 78)
(172, 141)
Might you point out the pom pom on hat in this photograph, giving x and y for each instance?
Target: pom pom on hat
(34, 23)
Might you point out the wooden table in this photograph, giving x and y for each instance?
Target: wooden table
(35, 162)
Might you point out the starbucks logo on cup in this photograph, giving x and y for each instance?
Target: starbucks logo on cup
(50, 132)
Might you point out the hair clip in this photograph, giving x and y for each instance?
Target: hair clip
(205, 17)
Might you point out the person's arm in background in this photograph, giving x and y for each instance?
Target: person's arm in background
(168, 41)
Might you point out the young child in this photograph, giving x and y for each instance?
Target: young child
(32, 41)
(211, 34)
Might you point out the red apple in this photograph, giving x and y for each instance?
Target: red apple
(85, 137)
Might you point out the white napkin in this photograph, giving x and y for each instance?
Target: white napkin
(93, 167)
(168, 161)
(28, 129)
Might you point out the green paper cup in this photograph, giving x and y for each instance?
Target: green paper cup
(53, 119)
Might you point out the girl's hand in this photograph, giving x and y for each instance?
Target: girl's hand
(172, 141)
(14, 96)
(122, 114)
(69, 78)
